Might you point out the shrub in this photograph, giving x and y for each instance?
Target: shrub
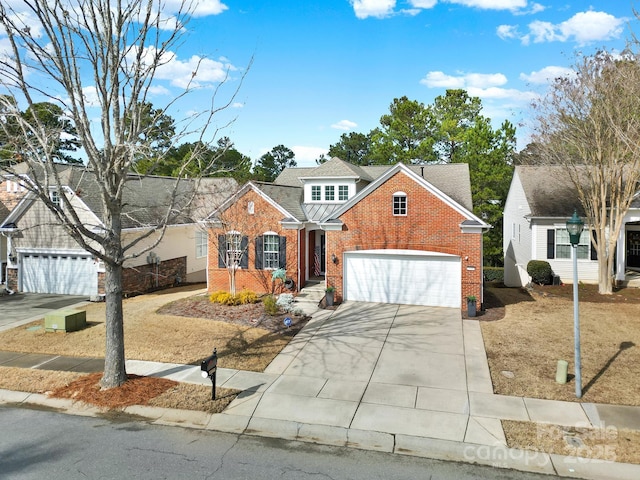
(247, 296)
(225, 298)
(494, 274)
(285, 301)
(540, 272)
(270, 306)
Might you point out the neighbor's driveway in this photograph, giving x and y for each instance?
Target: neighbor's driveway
(21, 308)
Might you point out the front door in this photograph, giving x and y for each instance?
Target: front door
(633, 249)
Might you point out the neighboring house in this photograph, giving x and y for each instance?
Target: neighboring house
(540, 201)
(44, 258)
(393, 234)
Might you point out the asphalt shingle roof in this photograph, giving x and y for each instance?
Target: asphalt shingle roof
(549, 191)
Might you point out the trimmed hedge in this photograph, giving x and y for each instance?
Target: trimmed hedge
(493, 274)
(540, 272)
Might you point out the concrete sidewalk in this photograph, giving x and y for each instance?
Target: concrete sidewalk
(395, 378)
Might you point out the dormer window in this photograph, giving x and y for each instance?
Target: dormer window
(316, 193)
(329, 193)
(343, 193)
(54, 196)
(399, 204)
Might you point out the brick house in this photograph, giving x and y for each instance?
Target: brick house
(39, 255)
(393, 234)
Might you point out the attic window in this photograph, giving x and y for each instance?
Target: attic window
(316, 194)
(399, 204)
(251, 208)
(54, 196)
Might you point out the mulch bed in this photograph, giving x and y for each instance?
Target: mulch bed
(250, 315)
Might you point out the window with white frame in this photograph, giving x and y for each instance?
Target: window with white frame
(563, 244)
(399, 203)
(316, 193)
(343, 192)
(329, 193)
(271, 250)
(54, 196)
(201, 244)
(234, 249)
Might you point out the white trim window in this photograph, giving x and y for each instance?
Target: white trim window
(399, 204)
(316, 193)
(271, 251)
(54, 196)
(234, 248)
(563, 244)
(343, 193)
(329, 193)
(202, 239)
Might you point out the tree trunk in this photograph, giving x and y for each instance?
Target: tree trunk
(605, 267)
(114, 360)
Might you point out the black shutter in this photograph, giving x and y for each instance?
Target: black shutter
(594, 252)
(551, 243)
(283, 253)
(244, 259)
(222, 251)
(259, 252)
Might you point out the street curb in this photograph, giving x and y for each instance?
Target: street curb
(497, 456)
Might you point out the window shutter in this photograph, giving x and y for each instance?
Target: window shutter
(551, 243)
(244, 259)
(259, 252)
(282, 257)
(222, 251)
(594, 252)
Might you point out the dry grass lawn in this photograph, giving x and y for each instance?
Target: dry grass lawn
(537, 331)
(612, 444)
(156, 337)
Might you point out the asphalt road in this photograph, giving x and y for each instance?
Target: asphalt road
(37, 444)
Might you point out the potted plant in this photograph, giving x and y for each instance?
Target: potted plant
(471, 305)
(329, 291)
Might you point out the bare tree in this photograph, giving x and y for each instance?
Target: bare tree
(589, 123)
(101, 58)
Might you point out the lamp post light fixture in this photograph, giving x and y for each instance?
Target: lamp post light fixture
(575, 225)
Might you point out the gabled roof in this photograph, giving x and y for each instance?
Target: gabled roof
(471, 219)
(145, 198)
(338, 168)
(284, 198)
(549, 190)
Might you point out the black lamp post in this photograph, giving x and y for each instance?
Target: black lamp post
(575, 225)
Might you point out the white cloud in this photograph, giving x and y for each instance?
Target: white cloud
(195, 72)
(423, 3)
(583, 28)
(547, 74)
(306, 156)
(91, 96)
(158, 90)
(492, 4)
(507, 31)
(482, 85)
(199, 8)
(344, 125)
(477, 80)
(373, 8)
(237, 105)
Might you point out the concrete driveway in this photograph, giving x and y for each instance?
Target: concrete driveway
(22, 308)
(401, 369)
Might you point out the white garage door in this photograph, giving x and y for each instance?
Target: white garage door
(402, 276)
(68, 274)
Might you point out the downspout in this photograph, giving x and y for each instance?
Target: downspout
(298, 259)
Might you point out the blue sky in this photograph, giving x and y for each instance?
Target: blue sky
(324, 68)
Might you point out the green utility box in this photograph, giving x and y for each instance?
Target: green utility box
(65, 321)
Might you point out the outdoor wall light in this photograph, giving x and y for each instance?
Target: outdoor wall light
(208, 368)
(334, 259)
(12, 258)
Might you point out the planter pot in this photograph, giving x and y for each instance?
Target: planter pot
(471, 308)
(329, 298)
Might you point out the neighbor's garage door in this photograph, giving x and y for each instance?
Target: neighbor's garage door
(402, 276)
(69, 274)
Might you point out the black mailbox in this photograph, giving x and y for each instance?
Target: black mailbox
(208, 368)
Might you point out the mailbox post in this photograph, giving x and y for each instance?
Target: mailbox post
(209, 366)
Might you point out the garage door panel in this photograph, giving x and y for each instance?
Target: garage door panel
(432, 280)
(68, 274)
